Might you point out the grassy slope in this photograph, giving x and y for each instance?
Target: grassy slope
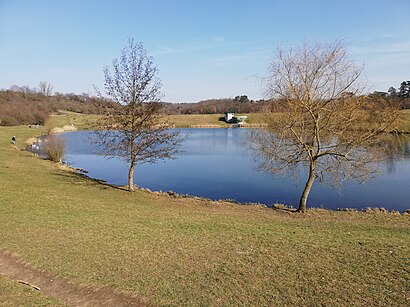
(193, 252)
(209, 119)
(82, 121)
(196, 119)
(253, 118)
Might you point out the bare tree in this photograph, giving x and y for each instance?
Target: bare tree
(134, 131)
(322, 123)
(45, 88)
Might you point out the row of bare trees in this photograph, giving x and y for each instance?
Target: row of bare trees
(44, 88)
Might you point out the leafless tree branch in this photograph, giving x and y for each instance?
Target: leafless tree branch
(322, 120)
(135, 131)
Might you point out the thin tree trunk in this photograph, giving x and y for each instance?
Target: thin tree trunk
(308, 186)
(131, 177)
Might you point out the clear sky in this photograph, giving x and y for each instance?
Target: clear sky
(203, 48)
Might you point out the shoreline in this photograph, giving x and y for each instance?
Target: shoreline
(83, 172)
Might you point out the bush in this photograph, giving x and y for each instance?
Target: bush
(6, 120)
(54, 149)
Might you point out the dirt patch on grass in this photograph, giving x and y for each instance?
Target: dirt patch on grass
(12, 267)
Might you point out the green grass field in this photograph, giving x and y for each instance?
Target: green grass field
(181, 251)
(212, 120)
(83, 121)
(13, 294)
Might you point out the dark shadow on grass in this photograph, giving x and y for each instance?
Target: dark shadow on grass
(283, 208)
(76, 176)
(82, 179)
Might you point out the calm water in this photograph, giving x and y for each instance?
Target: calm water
(216, 164)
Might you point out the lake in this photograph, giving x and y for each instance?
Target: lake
(216, 164)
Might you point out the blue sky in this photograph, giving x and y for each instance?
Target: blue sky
(204, 49)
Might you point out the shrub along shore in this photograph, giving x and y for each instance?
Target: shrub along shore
(187, 251)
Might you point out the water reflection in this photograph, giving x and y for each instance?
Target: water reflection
(398, 149)
(216, 163)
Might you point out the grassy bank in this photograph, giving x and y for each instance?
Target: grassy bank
(254, 119)
(211, 120)
(83, 121)
(194, 252)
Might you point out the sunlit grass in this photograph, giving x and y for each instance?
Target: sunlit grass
(191, 252)
(14, 294)
(81, 121)
(183, 121)
(84, 121)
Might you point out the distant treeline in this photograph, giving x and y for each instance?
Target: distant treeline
(21, 106)
(219, 106)
(400, 95)
(28, 108)
(239, 104)
(25, 106)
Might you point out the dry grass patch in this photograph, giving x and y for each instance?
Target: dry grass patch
(15, 294)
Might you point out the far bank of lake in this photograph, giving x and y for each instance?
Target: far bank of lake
(216, 164)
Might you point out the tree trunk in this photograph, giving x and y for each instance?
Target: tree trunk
(131, 178)
(308, 186)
